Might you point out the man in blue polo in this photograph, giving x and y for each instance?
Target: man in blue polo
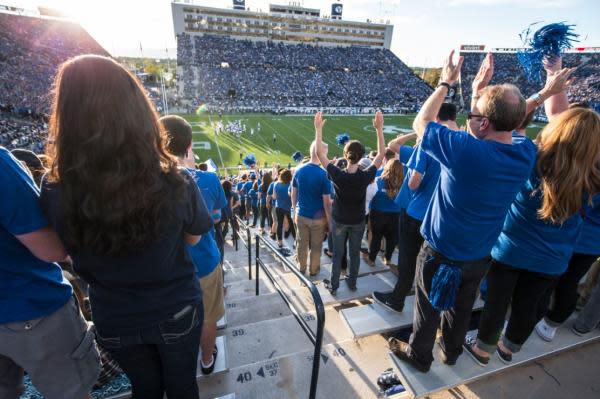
(205, 254)
(481, 173)
(42, 331)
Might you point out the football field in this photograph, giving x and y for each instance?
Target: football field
(292, 133)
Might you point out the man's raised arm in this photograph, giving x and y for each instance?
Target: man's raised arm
(431, 107)
(319, 123)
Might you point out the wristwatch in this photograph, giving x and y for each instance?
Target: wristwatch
(537, 98)
(446, 85)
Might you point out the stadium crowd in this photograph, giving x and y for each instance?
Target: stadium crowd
(241, 74)
(123, 219)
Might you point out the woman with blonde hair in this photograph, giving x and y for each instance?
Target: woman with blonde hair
(540, 232)
(385, 212)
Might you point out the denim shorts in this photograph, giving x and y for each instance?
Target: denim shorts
(57, 351)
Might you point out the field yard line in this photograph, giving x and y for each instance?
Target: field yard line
(216, 142)
(279, 135)
(257, 133)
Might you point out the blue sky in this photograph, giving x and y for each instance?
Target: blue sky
(424, 30)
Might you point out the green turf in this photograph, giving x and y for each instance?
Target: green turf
(294, 133)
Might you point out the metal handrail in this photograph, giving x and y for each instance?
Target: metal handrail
(247, 242)
(316, 339)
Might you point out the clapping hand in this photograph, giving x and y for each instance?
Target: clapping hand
(559, 81)
(319, 121)
(484, 76)
(450, 71)
(378, 121)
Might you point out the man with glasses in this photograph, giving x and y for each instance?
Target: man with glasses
(481, 173)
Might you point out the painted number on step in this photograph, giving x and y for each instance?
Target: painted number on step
(231, 305)
(339, 352)
(244, 377)
(308, 317)
(238, 333)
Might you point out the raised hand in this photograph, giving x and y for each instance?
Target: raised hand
(552, 65)
(319, 121)
(559, 81)
(484, 75)
(450, 71)
(378, 121)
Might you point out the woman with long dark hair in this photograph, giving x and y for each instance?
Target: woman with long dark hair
(125, 212)
(262, 202)
(385, 212)
(283, 205)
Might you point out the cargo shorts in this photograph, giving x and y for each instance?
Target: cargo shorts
(57, 351)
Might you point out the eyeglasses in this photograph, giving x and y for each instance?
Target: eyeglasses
(471, 116)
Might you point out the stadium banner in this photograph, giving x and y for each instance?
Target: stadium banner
(472, 47)
(239, 4)
(337, 10)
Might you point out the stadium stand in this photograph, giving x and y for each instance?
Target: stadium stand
(508, 70)
(239, 74)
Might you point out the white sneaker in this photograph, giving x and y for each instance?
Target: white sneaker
(545, 331)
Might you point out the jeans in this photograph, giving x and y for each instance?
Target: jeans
(162, 359)
(344, 255)
(455, 322)
(220, 239)
(265, 215)
(242, 208)
(353, 233)
(282, 213)
(565, 291)
(589, 317)
(383, 224)
(310, 242)
(525, 290)
(254, 214)
(409, 243)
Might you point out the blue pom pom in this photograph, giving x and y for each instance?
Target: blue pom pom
(342, 139)
(548, 41)
(444, 287)
(250, 160)
(297, 156)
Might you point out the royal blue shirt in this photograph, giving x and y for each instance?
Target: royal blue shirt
(405, 194)
(29, 288)
(284, 201)
(589, 240)
(382, 202)
(529, 243)
(430, 171)
(205, 254)
(262, 198)
(253, 197)
(270, 192)
(312, 184)
(247, 187)
(479, 180)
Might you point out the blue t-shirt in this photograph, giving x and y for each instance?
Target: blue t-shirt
(262, 196)
(205, 254)
(29, 288)
(381, 201)
(284, 201)
(247, 187)
(529, 243)
(253, 197)
(270, 193)
(312, 184)
(430, 170)
(479, 180)
(405, 194)
(239, 189)
(589, 239)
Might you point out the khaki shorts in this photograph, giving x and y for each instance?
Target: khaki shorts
(58, 352)
(212, 296)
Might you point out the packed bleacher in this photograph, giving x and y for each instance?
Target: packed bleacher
(508, 69)
(233, 74)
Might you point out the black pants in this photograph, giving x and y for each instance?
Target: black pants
(220, 239)
(455, 322)
(265, 214)
(254, 214)
(524, 291)
(282, 213)
(242, 208)
(383, 224)
(565, 290)
(409, 242)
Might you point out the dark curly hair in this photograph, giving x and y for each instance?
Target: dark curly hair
(107, 155)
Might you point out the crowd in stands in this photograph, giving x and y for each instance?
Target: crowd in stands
(230, 74)
(507, 69)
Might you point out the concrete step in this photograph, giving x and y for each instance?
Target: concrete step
(272, 308)
(376, 319)
(348, 370)
(365, 286)
(442, 377)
